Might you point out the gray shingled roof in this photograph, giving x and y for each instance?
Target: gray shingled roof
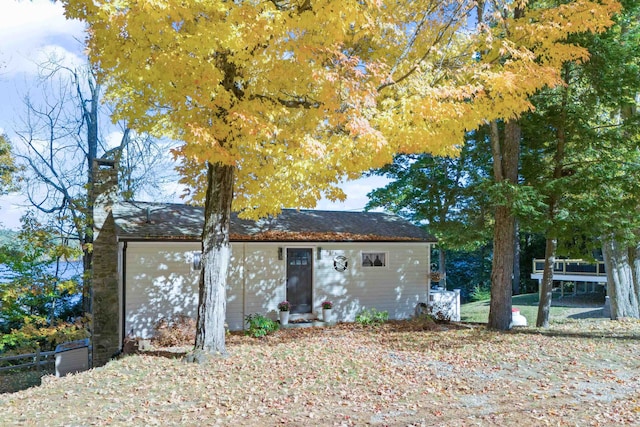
(165, 221)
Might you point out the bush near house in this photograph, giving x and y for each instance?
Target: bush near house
(259, 325)
(372, 317)
(34, 336)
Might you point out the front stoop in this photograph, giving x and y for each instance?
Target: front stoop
(309, 324)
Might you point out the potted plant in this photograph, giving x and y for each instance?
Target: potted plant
(327, 306)
(284, 307)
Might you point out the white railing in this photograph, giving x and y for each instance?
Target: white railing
(572, 266)
(445, 304)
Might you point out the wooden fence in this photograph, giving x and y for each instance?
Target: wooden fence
(37, 359)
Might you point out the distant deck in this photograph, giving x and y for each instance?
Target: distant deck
(584, 275)
(575, 270)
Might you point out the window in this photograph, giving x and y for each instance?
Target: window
(374, 259)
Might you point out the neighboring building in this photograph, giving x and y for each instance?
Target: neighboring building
(357, 260)
(580, 276)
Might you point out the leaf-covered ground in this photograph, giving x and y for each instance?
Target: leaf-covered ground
(584, 373)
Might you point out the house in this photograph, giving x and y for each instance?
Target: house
(146, 265)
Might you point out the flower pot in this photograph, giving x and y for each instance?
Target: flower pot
(284, 317)
(327, 315)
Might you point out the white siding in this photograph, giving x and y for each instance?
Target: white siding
(161, 283)
(265, 278)
(396, 288)
(235, 289)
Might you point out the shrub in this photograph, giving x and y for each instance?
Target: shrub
(175, 332)
(259, 325)
(480, 293)
(33, 336)
(372, 317)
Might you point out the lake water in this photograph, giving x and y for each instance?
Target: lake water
(67, 271)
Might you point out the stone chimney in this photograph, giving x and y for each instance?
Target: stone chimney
(104, 265)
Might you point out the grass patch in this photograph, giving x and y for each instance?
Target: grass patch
(478, 311)
(13, 381)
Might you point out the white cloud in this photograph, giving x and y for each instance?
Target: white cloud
(31, 30)
(113, 139)
(356, 192)
(12, 207)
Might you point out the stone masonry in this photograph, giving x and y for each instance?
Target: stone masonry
(104, 277)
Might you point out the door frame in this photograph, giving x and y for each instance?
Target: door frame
(313, 250)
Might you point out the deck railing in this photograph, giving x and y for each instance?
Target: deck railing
(573, 267)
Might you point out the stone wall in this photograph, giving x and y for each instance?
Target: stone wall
(104, 277)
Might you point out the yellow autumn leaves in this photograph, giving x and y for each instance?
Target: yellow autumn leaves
(299, 95)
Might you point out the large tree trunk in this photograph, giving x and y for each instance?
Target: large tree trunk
(623, 288)
(546, 287)
(216, 254)
(505, 166)
(502, 270)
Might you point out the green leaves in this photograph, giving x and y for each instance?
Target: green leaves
(7, 165)
(259, 325)
(39, 288)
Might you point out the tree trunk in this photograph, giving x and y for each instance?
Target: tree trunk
(216, 254)
(442, 259)
(516, 260)
(501, 270)
(505, 166)
(544, 305)
(635, 272)
(622, 266)
(85, 233)
(546, 286)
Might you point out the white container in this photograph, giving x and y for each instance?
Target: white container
(284, 318)
(517, 319)
(72, 357)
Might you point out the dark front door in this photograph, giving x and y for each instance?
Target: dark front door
(299, 273)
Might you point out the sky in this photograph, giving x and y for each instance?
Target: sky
(30, 32)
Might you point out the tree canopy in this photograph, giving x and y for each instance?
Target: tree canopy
(299, 95)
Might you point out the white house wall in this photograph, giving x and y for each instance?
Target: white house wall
(161, 283)
(265, 277)
(395, 288)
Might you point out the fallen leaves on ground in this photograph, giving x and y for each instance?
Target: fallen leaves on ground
(399, 374)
